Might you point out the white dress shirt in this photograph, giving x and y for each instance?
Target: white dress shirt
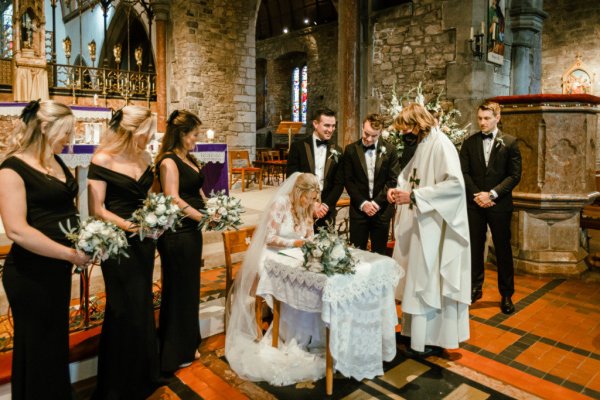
(488, 145)
(320, 158)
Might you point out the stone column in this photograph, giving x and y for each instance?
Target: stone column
(557, 136)
(161, 13)
(348, 72)
(527, 19)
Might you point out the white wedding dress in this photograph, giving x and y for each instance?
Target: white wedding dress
(300, 355)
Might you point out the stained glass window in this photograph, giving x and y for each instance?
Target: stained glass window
(6, 37)
(299, 94)
(296, 95)
(304, 98)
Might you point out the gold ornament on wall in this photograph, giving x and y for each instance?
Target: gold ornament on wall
(578, 79)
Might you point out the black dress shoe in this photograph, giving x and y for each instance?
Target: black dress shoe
(476, 294)
(429, 351)
(506, 305)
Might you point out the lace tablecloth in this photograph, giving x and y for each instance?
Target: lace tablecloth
(359, 309)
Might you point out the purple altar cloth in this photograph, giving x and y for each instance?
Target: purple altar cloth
(216, 174)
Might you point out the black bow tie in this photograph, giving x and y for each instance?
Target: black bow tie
(371, 147)
(322, 142)
(487, 136)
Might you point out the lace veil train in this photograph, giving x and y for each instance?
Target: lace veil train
(257, 360)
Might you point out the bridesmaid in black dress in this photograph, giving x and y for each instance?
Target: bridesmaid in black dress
(180, 251)
(38, 192)
(118, 181)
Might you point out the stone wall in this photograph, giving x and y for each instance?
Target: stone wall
(315, 46)
(410, 45)
(572, 27)
(212, 69)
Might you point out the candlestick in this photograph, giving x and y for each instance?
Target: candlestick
(471, 34)
(482, 28)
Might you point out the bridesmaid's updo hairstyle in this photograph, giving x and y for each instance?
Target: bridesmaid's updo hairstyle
(42, 124)
(125, 125)
(413, 116)
(304, 185)
(179, 124)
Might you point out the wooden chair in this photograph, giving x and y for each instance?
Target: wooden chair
(238, 242)
(239, 164)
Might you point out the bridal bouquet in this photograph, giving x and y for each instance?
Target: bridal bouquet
(222, 212)
(98, 239)
(328, 253)
(157, 214)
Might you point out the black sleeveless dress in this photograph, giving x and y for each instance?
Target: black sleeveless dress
(128, 355)
(39, 289)
(181, 256)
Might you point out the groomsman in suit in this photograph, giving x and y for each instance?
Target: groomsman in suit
(491, 165)
(319, 155)
(370, 169)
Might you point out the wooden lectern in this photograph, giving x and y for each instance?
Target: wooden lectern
(290, 128)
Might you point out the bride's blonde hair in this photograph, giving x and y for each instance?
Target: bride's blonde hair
(42, 124)
(305, 184)
(125, 125)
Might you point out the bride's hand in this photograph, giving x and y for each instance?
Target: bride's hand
(298, 242)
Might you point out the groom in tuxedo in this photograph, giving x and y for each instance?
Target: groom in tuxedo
(319, 155)
(370, 169)
(491, 165)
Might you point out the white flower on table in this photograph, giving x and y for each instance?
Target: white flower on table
(338, 252)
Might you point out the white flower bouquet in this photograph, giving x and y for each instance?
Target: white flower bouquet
(328, 253)
(448, 120)
(98, 239)
(158, 214)
(222, 212)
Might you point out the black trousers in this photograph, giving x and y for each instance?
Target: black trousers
(499, 223)
(377, 228)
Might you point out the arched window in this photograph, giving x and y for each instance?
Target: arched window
(299, 94)
(6, 35)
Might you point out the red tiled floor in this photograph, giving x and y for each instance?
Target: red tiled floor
(489, 338)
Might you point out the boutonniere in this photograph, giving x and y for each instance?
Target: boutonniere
(382, 151)
(333, 153)
(499, 142)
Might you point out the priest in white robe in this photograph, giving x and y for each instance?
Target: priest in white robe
(432, 237)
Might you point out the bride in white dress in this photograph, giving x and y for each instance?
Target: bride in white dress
(286, 222)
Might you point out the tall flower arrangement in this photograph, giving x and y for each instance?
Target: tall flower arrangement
(448, 119)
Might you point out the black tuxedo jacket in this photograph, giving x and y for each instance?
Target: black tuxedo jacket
(301, 158)
(502, 174)
(356, 177)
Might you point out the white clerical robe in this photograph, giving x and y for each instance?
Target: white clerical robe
(432, 245)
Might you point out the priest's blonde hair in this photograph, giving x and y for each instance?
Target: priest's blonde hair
(42, 128)
(127, 123)
(304, 185)
(413, 116)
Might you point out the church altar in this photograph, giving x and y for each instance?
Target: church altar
(358, 309)
(82, 113)
(213, 156)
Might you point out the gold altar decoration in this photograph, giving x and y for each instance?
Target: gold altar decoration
(578, 79)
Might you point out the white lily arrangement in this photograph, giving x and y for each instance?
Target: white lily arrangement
(448, 120)
(98, 239)
(328, 253)
(333, 153)
(222, 213)
(157, 214)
